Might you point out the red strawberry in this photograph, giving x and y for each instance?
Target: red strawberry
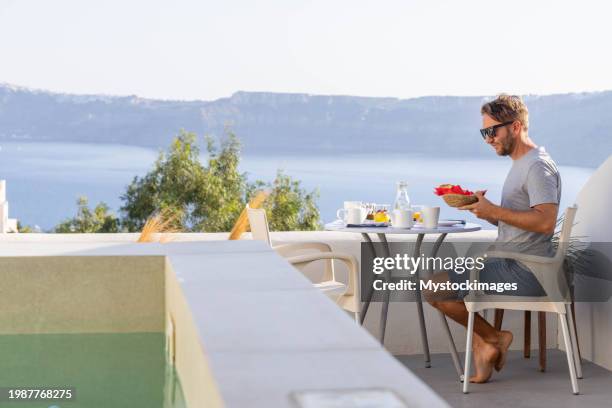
(457, 189)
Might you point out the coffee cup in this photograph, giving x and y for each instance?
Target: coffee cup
(342, 212)
(431, 216)
(356, 215)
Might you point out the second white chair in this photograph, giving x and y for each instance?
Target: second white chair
(346, 295)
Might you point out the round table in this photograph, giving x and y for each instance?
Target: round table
(420, 232)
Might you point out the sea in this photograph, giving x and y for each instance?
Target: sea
(44, 180)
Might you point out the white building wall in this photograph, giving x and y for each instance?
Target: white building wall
(3, 208)
(6, 224)
(3, 217)
(594, 221)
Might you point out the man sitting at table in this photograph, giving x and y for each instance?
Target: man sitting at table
(527, 215)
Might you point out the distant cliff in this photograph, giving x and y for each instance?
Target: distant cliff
(575, 128)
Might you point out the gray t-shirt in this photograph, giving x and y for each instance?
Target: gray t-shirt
(533, 179)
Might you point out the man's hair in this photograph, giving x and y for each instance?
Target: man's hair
(506, 108)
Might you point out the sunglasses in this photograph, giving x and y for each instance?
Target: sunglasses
(490, 131)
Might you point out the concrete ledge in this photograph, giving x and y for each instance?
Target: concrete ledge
(284, 236)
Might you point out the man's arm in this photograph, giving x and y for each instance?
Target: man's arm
(491, 221)
(541, 218)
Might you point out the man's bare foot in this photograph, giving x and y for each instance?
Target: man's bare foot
(485, 356)
(504, 339)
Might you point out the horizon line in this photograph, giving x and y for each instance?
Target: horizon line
(35, 90)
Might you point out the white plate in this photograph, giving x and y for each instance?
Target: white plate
(441, 223)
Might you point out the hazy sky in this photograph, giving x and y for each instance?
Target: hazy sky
(203, 49)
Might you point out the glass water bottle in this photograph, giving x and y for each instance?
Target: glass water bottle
(402, 200)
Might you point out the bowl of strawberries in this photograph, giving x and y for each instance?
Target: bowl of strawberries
(454, 195)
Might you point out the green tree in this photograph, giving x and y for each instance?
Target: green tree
(86, 220)
(289, 207)
(25, 229)
(210, 197)
(200, 197)
(222, 195)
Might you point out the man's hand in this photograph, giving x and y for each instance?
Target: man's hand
(483, 208)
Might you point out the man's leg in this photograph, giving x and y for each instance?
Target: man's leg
(490, 345)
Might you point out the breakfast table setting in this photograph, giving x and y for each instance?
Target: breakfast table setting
(380, 220)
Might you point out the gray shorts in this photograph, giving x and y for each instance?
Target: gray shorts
(502, 270)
